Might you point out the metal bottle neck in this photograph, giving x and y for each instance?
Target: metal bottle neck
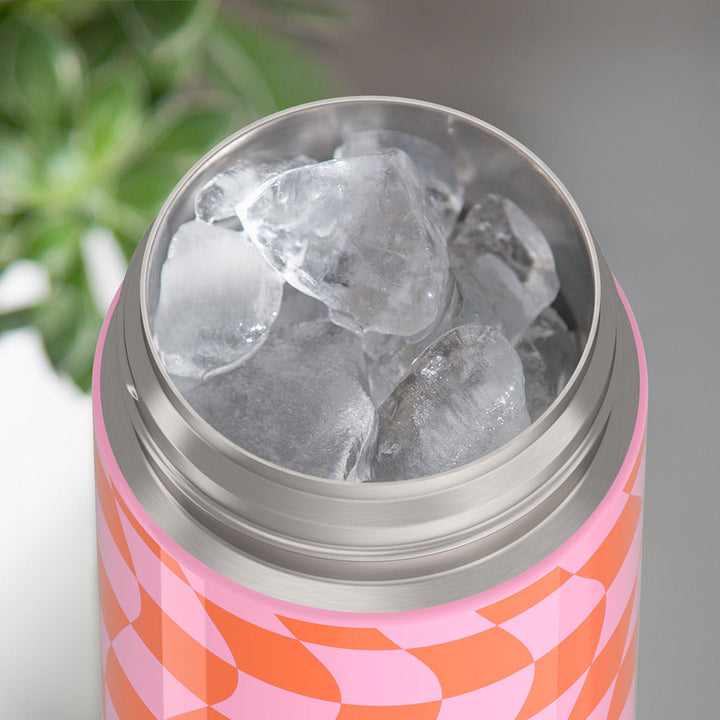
(378, 546)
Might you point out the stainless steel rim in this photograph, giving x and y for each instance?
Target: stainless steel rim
(377, 547)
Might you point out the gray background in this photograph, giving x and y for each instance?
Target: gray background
(622, 100)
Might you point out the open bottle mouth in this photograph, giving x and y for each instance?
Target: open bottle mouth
(487, 165)
(379, 545)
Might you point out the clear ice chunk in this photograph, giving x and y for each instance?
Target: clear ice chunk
(301, 401)
(556, 343)
(354, 234)
(218, 297)
(549, 353)
(504, 265)
(297, 307)
(494, 293)
(389, 356)
(445, 191)
(540, 386)
(461, 398)
(218, 198)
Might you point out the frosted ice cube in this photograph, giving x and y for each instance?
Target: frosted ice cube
(445, 191)
(218, 297)
(353, 234)
(549, 353)
(462, 398)
(301, 401)
(218, 198)
(502, 260)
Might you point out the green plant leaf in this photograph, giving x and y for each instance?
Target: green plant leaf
(289, 76)
(167, 38)
(108, 211)
(16, 319)
(69, 326)
(54, 242)
(153, 22)
(146, 185)
(232, 67)
(18, 163)
(100, 36)
(198, 128)
(12, 244)
(111, 117)
(74, 12)
(42, 69)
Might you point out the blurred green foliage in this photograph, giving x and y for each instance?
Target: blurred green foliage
(103, 107)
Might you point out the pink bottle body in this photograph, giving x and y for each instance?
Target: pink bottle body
(558, 641)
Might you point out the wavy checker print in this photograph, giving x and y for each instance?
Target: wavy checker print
(558, 642)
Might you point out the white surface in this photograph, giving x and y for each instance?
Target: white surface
(49, 647)
(23, 283)
(49, 633)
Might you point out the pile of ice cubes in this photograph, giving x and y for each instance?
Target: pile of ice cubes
(355, 319)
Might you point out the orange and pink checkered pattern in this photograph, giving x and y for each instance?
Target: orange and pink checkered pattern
(181, 642)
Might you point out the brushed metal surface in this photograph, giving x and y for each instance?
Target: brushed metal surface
(380, 546)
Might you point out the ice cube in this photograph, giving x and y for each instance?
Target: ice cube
(297, 307)
(502, 260)
(445, 191)
(353, 233)
(549, 353)
(462, 398)
(301, 401)
(218, 297)
(492, 291)
(389, 356)
(540, 385)
(218, 198)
